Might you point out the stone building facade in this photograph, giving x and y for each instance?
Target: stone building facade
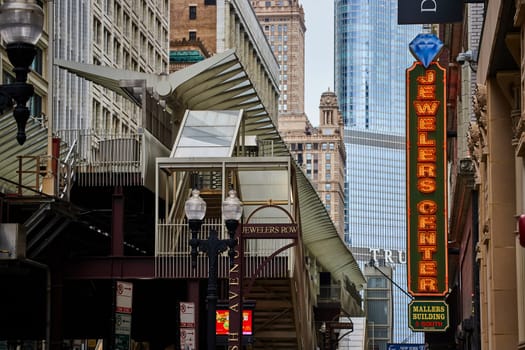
(321, 153)
(284, 27)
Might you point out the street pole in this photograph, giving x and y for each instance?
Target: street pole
(212, 247)
(195, 209)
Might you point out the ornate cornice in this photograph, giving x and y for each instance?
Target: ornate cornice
(477, 130)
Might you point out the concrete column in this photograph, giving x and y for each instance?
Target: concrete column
(500, 245)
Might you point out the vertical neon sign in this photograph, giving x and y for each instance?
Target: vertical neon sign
(426, 180)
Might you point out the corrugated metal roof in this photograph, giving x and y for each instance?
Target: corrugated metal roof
(35, 145)
(320, 235)
(221, 83)
(217, 83)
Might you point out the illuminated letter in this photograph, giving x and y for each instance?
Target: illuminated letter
(426, 108)
(427, 252)
(428, 284)
(426, 170)
(426, 154)
(428, 268)
(428, 78)
(426, 92)
(427, 237)
(423, 139)
(426, 123)
(427, 207)
(426, 185)
(426, 222)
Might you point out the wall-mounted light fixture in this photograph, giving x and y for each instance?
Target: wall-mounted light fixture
(21, 25)
(469, 57)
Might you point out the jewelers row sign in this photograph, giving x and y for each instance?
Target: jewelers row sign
(426, 180)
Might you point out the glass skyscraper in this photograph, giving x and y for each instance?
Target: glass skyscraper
(371, 56)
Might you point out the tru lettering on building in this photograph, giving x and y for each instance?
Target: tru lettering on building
(426, 180)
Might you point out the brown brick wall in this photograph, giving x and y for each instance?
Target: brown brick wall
(205, 24)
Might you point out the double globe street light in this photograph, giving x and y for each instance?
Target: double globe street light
(21, 25)
(195, 209)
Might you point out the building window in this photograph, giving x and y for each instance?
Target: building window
(37, 64)
(210, 2)
(328, 196)
(268, 3)
(193, 12)
(35, 105)
(192, 35)
(332, 146)
(308, 146)
(328, 187)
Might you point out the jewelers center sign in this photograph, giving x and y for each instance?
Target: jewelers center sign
(426, 180)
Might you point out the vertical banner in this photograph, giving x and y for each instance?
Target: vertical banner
(235, 296)
(123, 309)
(426, 180)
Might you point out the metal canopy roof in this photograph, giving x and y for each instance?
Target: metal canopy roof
(221, 83)
(321, 237)
(217, 83)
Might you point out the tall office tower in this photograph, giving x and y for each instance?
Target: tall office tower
(130, 35)
(283, 24)
(321, 152)
(378, 305)
(371, 56)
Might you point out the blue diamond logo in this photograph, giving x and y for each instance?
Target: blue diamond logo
(425, 48)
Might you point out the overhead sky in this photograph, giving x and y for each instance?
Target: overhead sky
(319, 55)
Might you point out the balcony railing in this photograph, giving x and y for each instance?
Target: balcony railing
(172, 253)
(106, 158)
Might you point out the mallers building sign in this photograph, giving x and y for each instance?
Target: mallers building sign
(426, 177)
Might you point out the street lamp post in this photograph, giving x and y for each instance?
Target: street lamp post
(21, 25)
(195, 209)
